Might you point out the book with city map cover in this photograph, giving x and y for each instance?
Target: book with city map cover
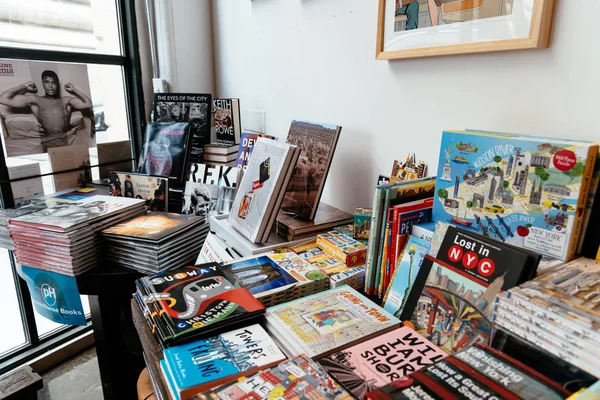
(195, 302)
(194, 108)
(166, 151)
(452, 300)
(317, 143)
(477, 371)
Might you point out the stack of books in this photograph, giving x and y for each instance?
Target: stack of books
(319, 324)
(262, 189)
(277, 278)
(63, 236)
(292, 227)
(221, 154)
(297, 378)
(192, 303)
(204, 364)
(175, 198)
(558, 312)
(477, 372)
(156, 242)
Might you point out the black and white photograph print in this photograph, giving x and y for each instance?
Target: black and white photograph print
(44, 105)
(204, 200)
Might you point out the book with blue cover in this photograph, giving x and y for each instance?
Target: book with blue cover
(405, 275)
(197, 366)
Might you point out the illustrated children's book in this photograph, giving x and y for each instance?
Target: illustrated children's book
(381, 360)
(246, 146)
(478, 372)
(298, 378)
(166, 151)
(405, 275)
(193, 302)
(273, 278)
(206, 363)
(453, 297)
(362, 223)
(410, 169)
(526, 191)
(317, 142)
(317, 324)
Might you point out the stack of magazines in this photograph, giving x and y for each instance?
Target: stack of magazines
(193, 303)
(62, 237)
(156, 242)
(558, 312)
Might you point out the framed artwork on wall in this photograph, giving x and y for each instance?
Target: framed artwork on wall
(423, 28)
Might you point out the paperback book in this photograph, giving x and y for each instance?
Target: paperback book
(166, 151)
(452, 300)
(521, 190)
(227, 120)
(262, 188)
(317, 143)
(375, 363)
(153, 190)
(277, 278)
(318, 324)
(477, 371)
(246, 146)
(206, 363)
(298, 378)
(193, 302)
(210, 190)
(192, 108)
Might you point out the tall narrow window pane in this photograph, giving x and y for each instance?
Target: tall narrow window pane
(13, 334)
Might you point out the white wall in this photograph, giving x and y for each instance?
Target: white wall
(315, 59)
(185, 45)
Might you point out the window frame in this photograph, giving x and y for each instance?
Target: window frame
(130, 63)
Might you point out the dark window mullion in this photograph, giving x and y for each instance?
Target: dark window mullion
(26, 305)
(61, 56)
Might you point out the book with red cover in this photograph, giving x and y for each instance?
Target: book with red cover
(477, 371)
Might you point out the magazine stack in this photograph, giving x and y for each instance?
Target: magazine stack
(558, 312)
(155, 242)
(62, 237)
(193, 303)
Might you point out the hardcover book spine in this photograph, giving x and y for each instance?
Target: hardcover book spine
(586, 181)
(371, 248)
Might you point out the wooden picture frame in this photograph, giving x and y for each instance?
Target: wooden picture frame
(537, 12)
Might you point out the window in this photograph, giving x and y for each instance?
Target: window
(96, 36)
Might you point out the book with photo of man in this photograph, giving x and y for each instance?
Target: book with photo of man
(166, 150)
(227, 121)
(194, 108)
(317, 142)
(152, 189)
(210, 190)
(45, 105)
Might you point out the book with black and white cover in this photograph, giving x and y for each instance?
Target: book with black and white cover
(317, 142)
(194, 108)
(166, 151)
(209, 190)
(228, 125)
(267, 169)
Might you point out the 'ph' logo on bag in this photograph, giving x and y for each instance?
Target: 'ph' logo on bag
(49, 294)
